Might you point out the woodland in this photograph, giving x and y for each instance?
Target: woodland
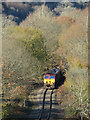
(35, 37)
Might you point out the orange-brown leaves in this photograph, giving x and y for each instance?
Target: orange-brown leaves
(73, 41)
(64, 20)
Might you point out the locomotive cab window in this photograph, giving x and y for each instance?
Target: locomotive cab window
(52, 77)
(46, 77)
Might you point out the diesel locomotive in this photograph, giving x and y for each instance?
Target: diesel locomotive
(52, 77)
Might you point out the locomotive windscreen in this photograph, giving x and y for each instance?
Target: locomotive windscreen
(52, 77)
(46, 77)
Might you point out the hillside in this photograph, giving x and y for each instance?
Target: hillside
(37, 36)
(20, 11)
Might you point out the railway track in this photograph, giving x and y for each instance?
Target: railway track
(43, 105)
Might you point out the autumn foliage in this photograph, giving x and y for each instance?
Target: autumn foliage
(73, 44)
(35, 45)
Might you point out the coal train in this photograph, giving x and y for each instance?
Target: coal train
(52, 77)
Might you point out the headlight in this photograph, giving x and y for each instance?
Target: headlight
(44, 81)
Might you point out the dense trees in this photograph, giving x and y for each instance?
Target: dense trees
(19, 44)
(23, 57)
(46, 37)
(73, 44)
(42, 19)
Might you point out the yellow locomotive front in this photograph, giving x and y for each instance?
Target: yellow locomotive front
(49, 80)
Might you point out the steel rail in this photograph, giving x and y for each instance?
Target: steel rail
(50, 105)
(43, 104)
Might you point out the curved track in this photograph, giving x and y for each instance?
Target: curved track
(43, 105)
